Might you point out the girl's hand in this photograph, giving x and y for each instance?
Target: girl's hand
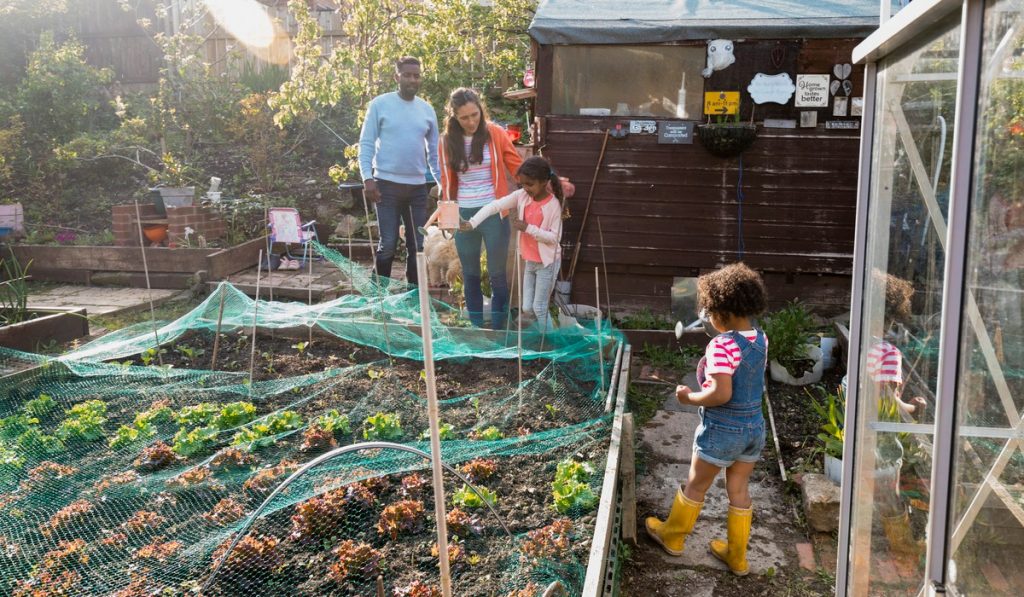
(683, 394)
(465, 226)
(917, 405)
(518, 224)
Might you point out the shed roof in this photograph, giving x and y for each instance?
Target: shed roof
(660, 21)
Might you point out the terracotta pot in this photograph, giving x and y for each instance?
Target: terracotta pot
(155, 233)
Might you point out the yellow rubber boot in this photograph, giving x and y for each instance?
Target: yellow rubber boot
(734, 551)
(671, 534)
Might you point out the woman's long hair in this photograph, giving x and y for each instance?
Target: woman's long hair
(537, 168)
(454, 145)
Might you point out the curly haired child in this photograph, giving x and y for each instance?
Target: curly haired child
(731, 434)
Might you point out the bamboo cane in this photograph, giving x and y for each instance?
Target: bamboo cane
(590, 197)
(216, 336)
(149, 289)
(600, 342)
(604, 266)
(255, 312)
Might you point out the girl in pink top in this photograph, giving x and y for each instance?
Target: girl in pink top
(539, 222)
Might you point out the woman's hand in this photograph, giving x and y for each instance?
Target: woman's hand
(683, 394)
(465, 226)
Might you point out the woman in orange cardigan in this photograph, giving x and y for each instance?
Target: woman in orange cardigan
(476, 159)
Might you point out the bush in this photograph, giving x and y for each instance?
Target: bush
(788, 331)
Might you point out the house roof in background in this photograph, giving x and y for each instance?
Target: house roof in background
(661, 21)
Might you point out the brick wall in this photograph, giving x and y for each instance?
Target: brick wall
(201, 220)
(125, 233)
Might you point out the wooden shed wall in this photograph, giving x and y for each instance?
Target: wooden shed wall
(672, 210)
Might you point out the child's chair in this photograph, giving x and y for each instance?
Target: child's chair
(286, 227)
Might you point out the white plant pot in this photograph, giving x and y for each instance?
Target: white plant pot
(780, 374)
(834, 469)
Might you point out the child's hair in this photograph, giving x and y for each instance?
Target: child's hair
(735, 290)
(898, 293)
(454, 147)
(537, 168)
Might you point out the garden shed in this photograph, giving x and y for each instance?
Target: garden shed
(663, 205)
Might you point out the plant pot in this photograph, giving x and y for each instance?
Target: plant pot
(726, 140)
(155, 233)
(164, 197)
(834, 469)
(780, 374)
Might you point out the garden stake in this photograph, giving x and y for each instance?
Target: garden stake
(583, 223)
(309, 286)
(600, 343)
(270, 270)
(380, 585)
(519, 325)
(255, 311)
(775, 434)
(604, 264)
(149, 290)
(435, 434)
(216, 336)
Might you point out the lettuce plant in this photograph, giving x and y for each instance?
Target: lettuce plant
(467, 498)
(571, 488)
(188, 443)
(382, 426)
(85, 422)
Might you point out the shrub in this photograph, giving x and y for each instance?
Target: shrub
(467, 498)
(401, 517)
(355, 560)
(85, 422)
(382, 426)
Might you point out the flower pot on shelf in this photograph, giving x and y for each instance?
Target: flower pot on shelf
(780, 374)
(155, 233)
(726, 140)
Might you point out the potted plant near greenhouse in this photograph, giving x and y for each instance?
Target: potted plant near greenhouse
(832, 432)
(794, 360)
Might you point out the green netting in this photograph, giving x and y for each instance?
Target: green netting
(120, 475)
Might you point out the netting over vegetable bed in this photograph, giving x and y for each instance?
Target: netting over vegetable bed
(126, 467)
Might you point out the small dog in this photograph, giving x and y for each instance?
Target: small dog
(443, 263)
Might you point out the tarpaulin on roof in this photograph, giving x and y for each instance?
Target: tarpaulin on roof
(661, 21)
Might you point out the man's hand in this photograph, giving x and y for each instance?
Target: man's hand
(683, 394)
(370, 191)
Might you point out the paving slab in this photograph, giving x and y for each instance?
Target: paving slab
(97, 300)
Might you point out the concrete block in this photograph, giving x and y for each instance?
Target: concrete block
(821, 503)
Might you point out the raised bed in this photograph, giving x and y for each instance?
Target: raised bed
(48, 325)
(168, 268)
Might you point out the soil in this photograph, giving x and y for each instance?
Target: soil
(558, 396)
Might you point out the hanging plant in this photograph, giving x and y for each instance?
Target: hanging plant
(726, 139)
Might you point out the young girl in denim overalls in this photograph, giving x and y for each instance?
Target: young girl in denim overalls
(731, 434)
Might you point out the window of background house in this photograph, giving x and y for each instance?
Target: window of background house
(629, 80)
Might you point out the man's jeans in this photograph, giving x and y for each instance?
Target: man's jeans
(400, 203)
(494, 232)
(538, 281)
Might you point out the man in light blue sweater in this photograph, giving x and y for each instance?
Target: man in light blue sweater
(398, 142)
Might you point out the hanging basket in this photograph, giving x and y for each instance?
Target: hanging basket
(726, 140)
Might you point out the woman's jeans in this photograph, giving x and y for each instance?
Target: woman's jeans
(400, 203)
(538, 281)
(494, 232)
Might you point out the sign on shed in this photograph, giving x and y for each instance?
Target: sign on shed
(675, 132)
(722, 102)
(812, 91)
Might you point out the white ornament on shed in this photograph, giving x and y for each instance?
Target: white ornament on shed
(719, 56)
(776, 89)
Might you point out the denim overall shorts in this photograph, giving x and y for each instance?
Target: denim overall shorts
(735, 430)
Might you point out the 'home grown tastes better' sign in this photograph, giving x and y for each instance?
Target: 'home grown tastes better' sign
(812, 91)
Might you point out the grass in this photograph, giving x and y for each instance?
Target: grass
(168, 310)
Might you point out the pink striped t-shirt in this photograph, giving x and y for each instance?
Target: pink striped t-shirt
(723, 354)
(885, 363)
(476, 184)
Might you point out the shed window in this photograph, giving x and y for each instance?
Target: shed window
(629, 80)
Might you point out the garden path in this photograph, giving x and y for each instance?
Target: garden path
(97, 300)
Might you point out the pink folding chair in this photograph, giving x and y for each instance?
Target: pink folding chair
(286, 227)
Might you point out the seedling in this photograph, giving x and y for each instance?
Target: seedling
(552, 410)
(467, 498)
(475, 401)
(382, 426)
(300, 347)
(446, 431)
(374, 373)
